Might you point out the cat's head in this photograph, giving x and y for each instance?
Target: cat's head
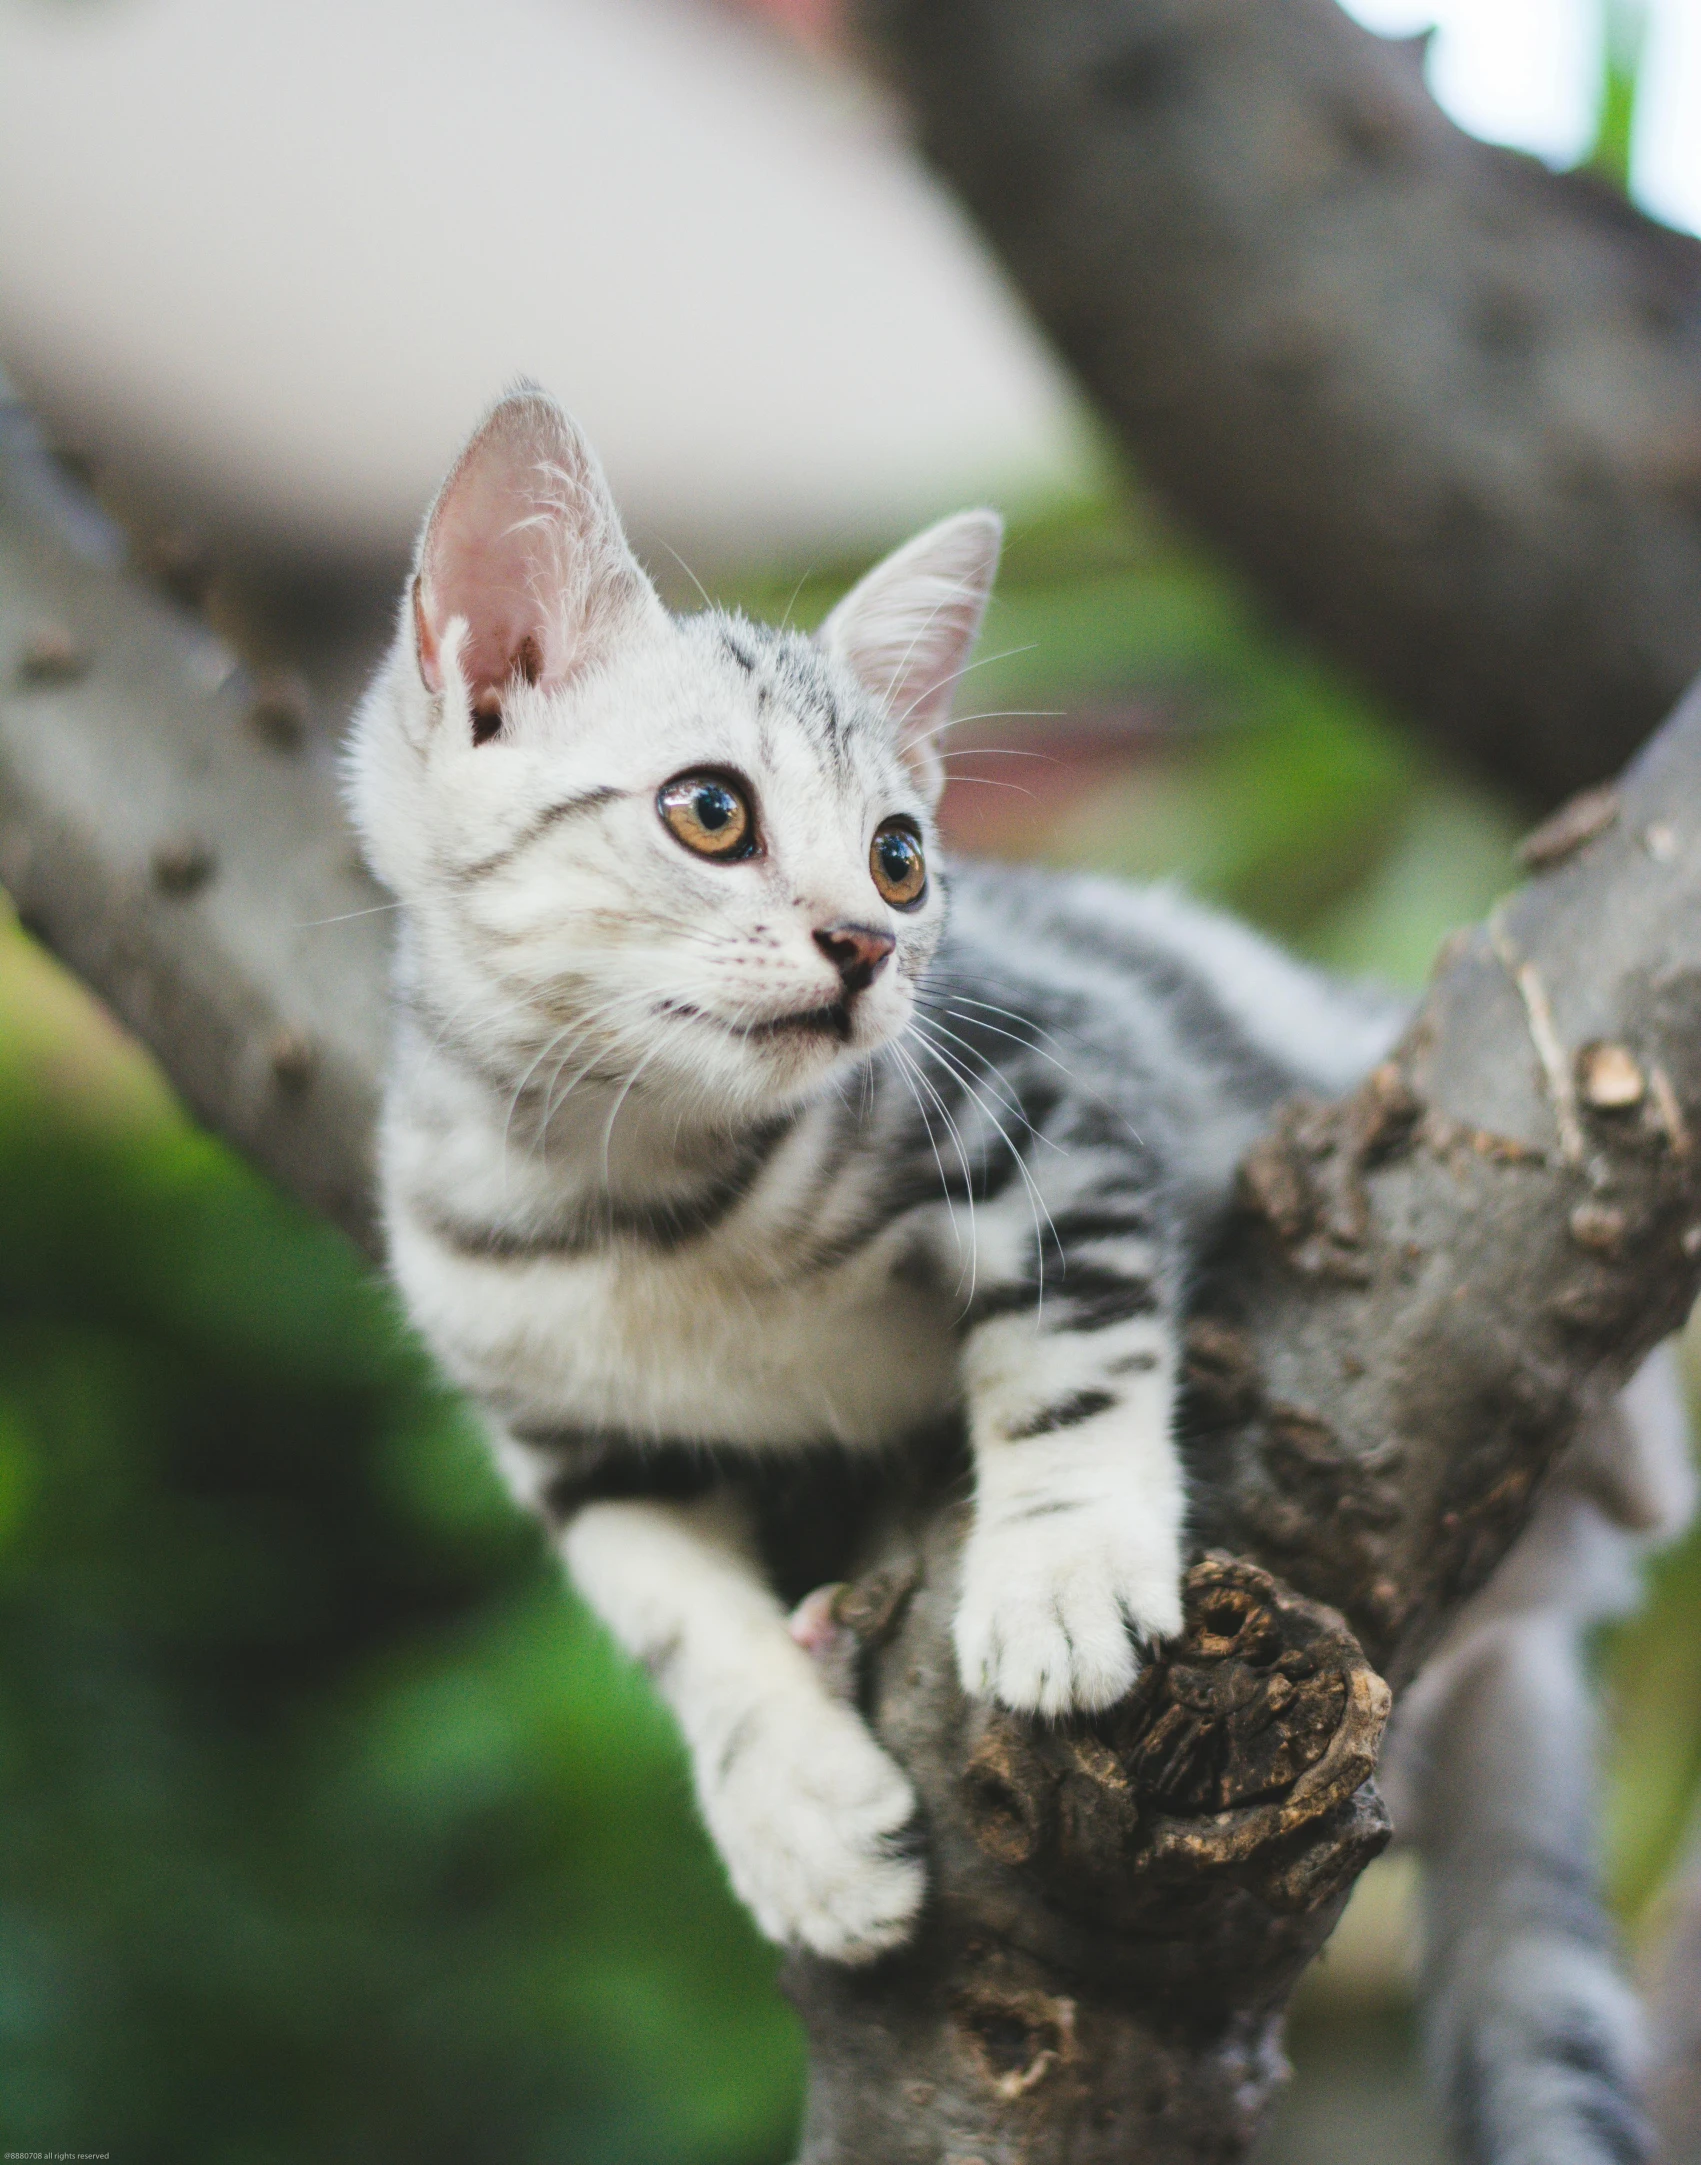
(695, 853)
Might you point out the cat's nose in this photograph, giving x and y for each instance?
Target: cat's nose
(857, 952)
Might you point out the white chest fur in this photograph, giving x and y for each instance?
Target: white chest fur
(684, 1345)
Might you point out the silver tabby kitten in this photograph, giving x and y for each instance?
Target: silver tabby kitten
(723, 1124)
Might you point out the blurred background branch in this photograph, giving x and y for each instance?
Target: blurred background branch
(1443, 405)
(1676, 2006)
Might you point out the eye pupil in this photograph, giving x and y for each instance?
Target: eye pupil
(709, 816)
(898, 866)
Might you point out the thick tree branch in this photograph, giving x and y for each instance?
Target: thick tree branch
(1442, 405)
(192, 867)
(1436, 1278)
(1427, 1286)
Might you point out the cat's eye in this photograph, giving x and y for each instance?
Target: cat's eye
(710, 814)
(898, 866)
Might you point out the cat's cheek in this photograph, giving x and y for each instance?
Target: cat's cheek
(885, 1014)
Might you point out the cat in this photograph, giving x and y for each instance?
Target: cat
(726, 1125)
(703, 1128)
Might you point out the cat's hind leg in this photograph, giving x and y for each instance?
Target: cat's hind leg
(815, 1824)
(1534, 2039)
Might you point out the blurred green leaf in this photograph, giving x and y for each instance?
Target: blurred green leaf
(1624, 30)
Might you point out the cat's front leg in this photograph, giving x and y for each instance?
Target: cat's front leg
(812, 1820)
(1074, 1558)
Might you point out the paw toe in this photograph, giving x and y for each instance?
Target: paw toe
(822, 1841)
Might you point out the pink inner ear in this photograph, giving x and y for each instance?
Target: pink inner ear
(493, 558)
(525, 558)
(498, 557)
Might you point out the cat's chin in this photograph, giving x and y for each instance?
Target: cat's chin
(795, 1068)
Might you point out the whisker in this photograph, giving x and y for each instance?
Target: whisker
(1026, 1044)
(985, 662)
(1028, 1023)
(519, 1090)
(580, 1027)
(1036, 1202)
(690, 574)
(600, 1015)
(913, 1076)
(995, 751)
(614, 1115)
(312, 924)
(994, 1077)
(984, 781)
(791, 603)
(998, 714)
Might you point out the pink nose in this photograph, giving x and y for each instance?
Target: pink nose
(857, 952)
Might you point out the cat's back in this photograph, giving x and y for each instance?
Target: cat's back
(1156, 995)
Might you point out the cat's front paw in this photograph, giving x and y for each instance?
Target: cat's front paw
(1052, 1610)
(817, 1828)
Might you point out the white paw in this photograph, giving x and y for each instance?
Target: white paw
(1051, 1608)
(814, 1824)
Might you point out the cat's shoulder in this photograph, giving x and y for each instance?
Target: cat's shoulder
(1173, 947)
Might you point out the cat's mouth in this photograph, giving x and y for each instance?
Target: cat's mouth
(833, 1020)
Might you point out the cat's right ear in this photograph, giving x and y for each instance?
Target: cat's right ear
(524, 574)
(905, 631)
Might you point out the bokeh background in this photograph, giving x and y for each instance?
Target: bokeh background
(331, 1826)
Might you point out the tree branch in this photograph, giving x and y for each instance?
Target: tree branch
(191, 867)
(1427, 1286)
(1443, 405)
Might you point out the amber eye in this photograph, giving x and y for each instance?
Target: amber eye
(710, 814)
(898, 866)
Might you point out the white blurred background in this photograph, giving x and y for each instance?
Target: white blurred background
(270, 259)
(265, 260)
(1528, 73)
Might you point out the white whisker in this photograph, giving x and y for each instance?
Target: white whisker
(985, 662)
(913, 1076)
(994, 1077)
(690, 574)
(1036, 1201)
(313, 924)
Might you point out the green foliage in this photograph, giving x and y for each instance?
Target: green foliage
(333, 1827)
(1624, 25)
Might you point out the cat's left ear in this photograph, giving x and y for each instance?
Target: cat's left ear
(524, 574)
(905, 631)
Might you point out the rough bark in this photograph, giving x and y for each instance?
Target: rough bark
(1121, 1907)
(1425, 1286)
(167, 830)
(1443, 405)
